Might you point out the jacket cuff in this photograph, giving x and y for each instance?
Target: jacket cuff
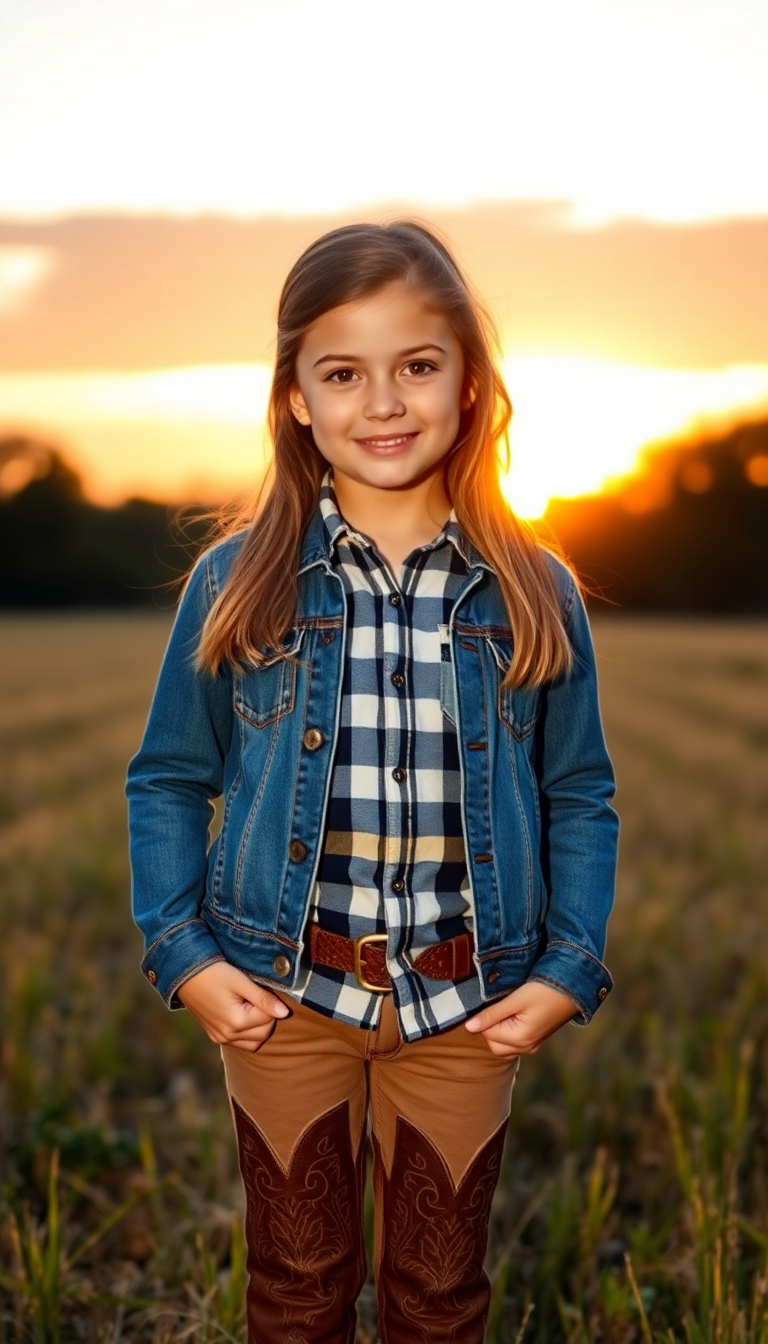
(177, 956)
(575, 972)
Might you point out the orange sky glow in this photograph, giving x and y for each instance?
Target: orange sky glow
(579, 426)
(611, 211)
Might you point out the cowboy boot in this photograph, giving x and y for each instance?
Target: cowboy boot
(431, 1283)
(304, 1232)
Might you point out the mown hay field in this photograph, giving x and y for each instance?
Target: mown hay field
(634, 1200)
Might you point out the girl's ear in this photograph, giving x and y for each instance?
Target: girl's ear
(468, 396)
(299, 406)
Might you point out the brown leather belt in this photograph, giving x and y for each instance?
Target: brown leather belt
(365, 957)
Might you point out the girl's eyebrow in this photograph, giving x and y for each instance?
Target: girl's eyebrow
(352, 359)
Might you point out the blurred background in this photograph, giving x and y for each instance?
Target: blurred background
(600, 171)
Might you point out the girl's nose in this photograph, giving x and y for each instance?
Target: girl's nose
(383, 402)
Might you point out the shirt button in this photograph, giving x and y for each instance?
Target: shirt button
(297, 851)
(395, 599)
(152, 977)
(281, 966)
(398, 884)
(397, 679)
(313, 739)
(398, 774)
(601, 993)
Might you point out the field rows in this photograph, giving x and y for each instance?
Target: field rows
(646, 1135)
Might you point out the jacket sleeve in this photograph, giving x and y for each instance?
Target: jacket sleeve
(178, 769)
(580, 828)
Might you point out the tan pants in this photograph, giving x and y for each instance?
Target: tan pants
(438, 1112)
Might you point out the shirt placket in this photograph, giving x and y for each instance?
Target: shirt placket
(395, 782)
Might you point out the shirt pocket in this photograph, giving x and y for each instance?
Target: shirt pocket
(518, 706)
(267, 691)
(447, 682)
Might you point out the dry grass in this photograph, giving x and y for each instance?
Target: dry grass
(634, 1204)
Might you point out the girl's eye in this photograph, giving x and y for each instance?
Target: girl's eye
(341, 376)
(420, 367)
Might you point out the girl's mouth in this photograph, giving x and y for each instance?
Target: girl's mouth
(386, 444)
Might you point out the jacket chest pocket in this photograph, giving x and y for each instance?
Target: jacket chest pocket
(266, 692)
(518, 706)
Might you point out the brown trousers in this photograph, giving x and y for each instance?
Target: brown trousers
(438, 1113)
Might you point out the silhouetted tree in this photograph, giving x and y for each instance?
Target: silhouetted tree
(690, 534)
(59, 550)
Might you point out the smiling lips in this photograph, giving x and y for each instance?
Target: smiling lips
(389, 443)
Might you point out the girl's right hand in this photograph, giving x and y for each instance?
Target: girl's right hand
(230, 1007)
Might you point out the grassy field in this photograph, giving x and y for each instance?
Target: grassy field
(634, 1202)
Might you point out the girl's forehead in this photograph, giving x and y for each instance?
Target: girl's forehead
(387, 316)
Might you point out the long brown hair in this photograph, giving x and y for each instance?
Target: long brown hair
(257, 605)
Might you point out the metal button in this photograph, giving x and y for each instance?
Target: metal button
(398, 884)
(281, 965)
(152, 977)
(601, 993)
(313, 739)
(398, 774)
(297, 851)
(397, 679)
(395, 599)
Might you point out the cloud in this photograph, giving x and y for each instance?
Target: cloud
(144, 292)
(23, 269)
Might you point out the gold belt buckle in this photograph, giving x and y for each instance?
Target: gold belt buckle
(359, 945)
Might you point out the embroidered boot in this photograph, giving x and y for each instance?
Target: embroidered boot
(304, 1233)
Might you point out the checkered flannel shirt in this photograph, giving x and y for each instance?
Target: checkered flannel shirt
(383, 834)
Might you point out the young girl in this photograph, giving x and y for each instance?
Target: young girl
(393, 687)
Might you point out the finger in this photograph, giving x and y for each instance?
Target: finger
(251, 1023)
(228, 1033)
(512, 1035)
(241, 1018)
(250, 1047)
(496, 1012)
(501, 1051)
(263, 999)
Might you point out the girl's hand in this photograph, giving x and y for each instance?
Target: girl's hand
(520, 1022)
(230, 1007)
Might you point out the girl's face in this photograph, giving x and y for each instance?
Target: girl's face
(381, 382)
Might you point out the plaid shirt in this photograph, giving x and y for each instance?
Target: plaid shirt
(393, 859)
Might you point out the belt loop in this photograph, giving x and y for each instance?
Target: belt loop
(461, 957)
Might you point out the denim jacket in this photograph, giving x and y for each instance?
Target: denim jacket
(539, 831)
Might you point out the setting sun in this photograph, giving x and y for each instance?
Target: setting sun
(578, 424)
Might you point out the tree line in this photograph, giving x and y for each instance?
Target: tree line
(688, 535)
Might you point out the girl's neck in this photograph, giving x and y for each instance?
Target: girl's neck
(397, 521)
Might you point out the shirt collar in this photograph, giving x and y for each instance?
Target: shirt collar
(335, 525)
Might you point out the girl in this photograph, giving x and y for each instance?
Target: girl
(393, 687)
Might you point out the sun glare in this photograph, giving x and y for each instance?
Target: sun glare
(579, 426)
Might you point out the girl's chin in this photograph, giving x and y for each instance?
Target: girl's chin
(397, 475)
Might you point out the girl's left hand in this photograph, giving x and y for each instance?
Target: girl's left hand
(520, 1022)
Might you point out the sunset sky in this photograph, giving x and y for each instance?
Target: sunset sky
(599, 167)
